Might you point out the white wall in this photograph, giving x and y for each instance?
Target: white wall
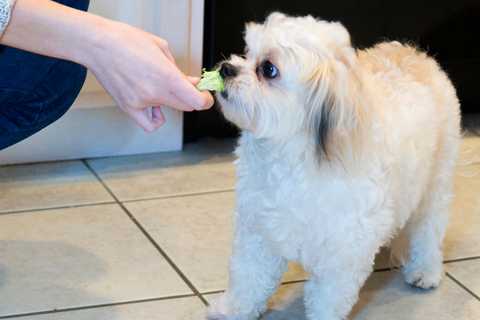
(94, 126)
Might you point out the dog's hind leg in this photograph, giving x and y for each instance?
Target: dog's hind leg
(428, 223)
(255, 270)
(425, 235)
(426, 229)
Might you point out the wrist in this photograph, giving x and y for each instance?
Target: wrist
(101, 40)
(91, 41)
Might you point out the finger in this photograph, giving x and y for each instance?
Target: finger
(142, 118)
(209, 100)
(178, 103)
(173, 101)
(187, 92)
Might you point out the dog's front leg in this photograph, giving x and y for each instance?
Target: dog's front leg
(333, 290)
(255, 270)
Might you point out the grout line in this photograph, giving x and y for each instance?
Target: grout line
(294, 281)
(152, 241)
(37, 162)
(179, 196)
(212, 292)
(56, 208)
(104, 305)
(462, 286)
(281, 284)
(114, 202)
(386, 269)
(461, 259)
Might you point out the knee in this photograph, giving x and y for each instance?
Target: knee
(25, 111)
(60, 89)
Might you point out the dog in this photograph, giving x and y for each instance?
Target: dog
(341, 151)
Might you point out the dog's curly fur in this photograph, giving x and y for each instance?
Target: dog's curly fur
(341, 151)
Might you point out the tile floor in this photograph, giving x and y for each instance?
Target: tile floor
(148, 237)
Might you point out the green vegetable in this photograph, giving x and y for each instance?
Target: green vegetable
(211, 80)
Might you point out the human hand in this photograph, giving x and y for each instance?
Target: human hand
(138, 70)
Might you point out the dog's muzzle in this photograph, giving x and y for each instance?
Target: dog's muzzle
(227, 71)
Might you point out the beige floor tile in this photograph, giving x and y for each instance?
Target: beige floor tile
(295, 273)
(387, 296)
(384, 296)
(469, 152)
(286, 304)
(470, 148)
(195, 233)
(176, 309)
(75, 257)
(463, 239)
(48, 185)
(467, 273)
(202, 167)
(382, 259)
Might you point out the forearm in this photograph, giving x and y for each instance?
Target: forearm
(48, 28)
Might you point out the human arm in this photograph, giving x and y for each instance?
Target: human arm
(135, 67)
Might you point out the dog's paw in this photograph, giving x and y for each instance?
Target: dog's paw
(216, 313)
(222, 309)
(423, 278)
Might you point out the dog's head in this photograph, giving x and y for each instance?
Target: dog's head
(297, 77)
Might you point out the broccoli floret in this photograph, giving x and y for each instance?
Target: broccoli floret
(211, 80)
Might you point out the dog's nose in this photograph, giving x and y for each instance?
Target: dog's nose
(227, 70)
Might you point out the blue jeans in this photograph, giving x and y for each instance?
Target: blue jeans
(35, 90)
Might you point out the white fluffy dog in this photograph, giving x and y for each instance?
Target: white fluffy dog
(342, 150)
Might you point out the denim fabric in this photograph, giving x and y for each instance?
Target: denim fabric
(35, 90)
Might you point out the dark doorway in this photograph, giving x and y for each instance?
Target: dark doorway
(447, 29)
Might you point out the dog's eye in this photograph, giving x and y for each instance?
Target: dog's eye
(269, 70)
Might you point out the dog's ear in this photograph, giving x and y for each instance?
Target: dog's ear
(323, 113)
(336, 31)
(255, 30)
(340, 44)
(337, 111)
(252, 31)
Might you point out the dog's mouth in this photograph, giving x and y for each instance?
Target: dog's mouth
(224, 94)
